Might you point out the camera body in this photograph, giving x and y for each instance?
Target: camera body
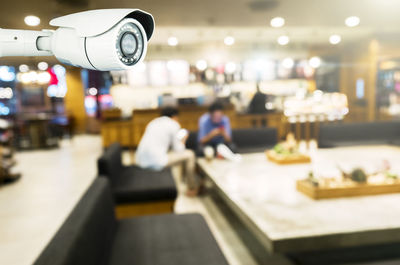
(104, 39)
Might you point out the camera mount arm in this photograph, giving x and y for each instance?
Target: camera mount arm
(25, 43)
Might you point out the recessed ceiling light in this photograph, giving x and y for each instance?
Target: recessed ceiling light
(283, 40)
(277, 22)
(43, 66)
(229, 40)
(23, 68)
(315, 62)
(352, 21)
(201, 65)
(173, 41)
(335, 39)
(32, 21)
(288, 63)
(93, 91)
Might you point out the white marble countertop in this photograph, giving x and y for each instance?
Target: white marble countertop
(266, 194)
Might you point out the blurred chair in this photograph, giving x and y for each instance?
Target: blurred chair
(137, 191)
(332, 135)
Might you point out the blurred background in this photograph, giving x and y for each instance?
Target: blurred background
(284, 66)
(333, 60)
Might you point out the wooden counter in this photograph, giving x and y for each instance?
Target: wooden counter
(128, 132)
(120, 131)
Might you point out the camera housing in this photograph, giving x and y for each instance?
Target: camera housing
(104, 39)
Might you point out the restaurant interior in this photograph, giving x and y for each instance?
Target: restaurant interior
(304, 170)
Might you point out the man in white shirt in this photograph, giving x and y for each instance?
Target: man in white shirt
(162, 146)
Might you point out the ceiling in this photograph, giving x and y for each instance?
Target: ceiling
(306, 20)
(223, 13)
(195, 22)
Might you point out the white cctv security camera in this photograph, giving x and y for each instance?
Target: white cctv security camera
(105, 39)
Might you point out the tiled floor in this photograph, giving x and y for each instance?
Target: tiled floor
(32, 209)
(78, 158)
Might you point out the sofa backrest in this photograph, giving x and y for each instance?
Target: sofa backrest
(331, 135)
(244, 138)
(110, 163)
(255, 137)
(86, 236)
(191, 142)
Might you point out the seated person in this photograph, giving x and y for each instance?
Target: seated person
(257, 103)
(163, 145)
(214, 129)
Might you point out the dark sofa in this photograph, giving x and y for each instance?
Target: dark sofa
(91, 235)
(134, 187)
(334, 135)
(246, 140)
(255, 139)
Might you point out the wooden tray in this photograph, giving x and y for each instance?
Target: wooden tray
(294, 159)
(317, 193)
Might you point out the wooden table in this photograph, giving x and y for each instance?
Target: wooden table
(264, 196)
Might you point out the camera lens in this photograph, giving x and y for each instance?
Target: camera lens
(128, 44)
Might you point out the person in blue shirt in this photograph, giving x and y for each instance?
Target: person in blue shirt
(214, 129)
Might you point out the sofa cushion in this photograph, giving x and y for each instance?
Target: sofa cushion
(86, 236)
(331, 135)
(165, 240)
(141, 185)
(110, 163)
